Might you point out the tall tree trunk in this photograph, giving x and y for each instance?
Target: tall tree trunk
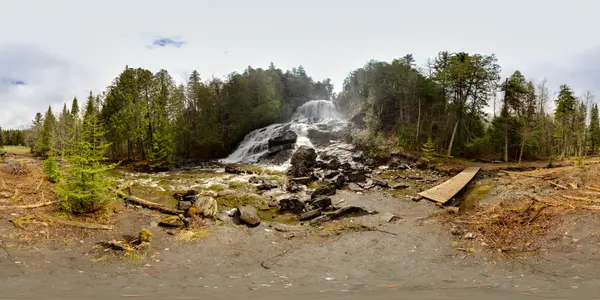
(522, 145)
(505, 142)
(418, 123)
(449, 153)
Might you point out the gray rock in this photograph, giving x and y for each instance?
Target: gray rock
(302, 180)
(399, 186)
(184, 205)
(357, 176)
(292, 205)
(416, 198)
(333, 164)
(381, 183)
(309, 215)
(355, 187)
(348, 211)
(248, 215)
(274, 203)
(255, 180)
(268, 185)
(172, 222)
(323, 190)
(469, 236)
(388, 217)
(321, 202)
(331, 173)
(358, 156)
(234, 169)
(338, 181)
(302, 161)
(293, 187)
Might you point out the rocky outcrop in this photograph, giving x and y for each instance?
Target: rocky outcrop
(206, 206)
(323, 190)
(284, 141)
(302, 162)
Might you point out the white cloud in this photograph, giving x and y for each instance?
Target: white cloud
(64, 48)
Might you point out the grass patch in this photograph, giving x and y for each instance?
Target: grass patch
(474, 195)
(217, 187)
(17, 149)
(254, 169)
(233, 200)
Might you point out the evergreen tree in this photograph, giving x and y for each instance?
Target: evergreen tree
(594, 129)
(85, 184)
(51, 169)
(47, 135)
(564, 114)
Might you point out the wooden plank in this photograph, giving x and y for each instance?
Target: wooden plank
(445, 191)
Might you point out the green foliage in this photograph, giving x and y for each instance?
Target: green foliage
(161, 153)
(85, 184)
(428, 148)
(594, 129)
(51, 169)
(579, 162)
(45, 142)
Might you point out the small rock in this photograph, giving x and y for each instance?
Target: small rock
(293, 187)
(331, 174)
(284, 228)
(383, 167)
(321, 202)
(268, 185)
(5, 194)
(323, 190)
(416, 198)
(292, 205)
(338, 181)
(357, 176)
(248, 214)
(381, 183)
(455, 231)
(274, 203)
(154, 224)
(232, 212)
(172, 221)
(399, 186)
(302, 180)
(309, 215)
(334, 164)
(388, 217)
(206, 206)
(355, 187)
(469, 236)
(358, 156)
(255, 180)
(184, 205)
(234, 169)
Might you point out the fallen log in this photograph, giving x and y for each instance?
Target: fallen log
(148, 204)
(73, 223)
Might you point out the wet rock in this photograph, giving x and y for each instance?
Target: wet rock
(355, 187)
(184, 205)
(333, 164)
(302, 161)
(206, 206)
(172, 222)
(302, 180)
(285, 228)
(274, 203)
(416, 198)
(189, 195)
(338, 181)
(234, 169)
(399, 186)
(309, 215)
(268, 185)
(323, 190)
(293, 187)
(356, 176)
(358, 156)
(248, 215)
(285, 138)
(346, 167)
(321, 202)
(367, 185)
(331, 173)
(255, 180)
(292, 205)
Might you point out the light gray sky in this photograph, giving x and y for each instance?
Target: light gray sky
(52, 50)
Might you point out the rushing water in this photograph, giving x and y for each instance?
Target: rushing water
(314, 122)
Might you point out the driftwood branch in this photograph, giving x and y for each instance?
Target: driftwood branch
(150, 205)
(73, 223)
(558, 185)
(7, 207)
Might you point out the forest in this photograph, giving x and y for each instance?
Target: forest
(146, 116)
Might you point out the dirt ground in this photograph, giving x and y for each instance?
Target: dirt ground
(415, 255)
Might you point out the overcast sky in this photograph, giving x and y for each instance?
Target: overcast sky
(52, 50)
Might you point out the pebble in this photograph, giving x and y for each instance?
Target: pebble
(469, 236)
(329, 278)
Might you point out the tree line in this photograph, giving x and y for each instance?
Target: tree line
(400, 105)
(148, 117)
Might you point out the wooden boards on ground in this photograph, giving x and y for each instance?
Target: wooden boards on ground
(445, 191)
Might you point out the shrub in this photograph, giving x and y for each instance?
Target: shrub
(51, 169)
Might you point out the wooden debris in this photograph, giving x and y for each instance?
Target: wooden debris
(73, 223)
(148, 204)
(558, 185)
(16, 196)
(573, 185)
(39, 185)
(7, 207)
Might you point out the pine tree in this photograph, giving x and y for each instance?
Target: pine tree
(47, 136)
(85, 185)
(594, 129)
(51, 169)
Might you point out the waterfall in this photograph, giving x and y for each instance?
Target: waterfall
(315, 123)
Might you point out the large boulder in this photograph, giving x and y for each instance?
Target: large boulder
(323, 190)
(302, 161)
(206, 206)
(248, 215)
(285, 138)
(234, 169)
(291, 205)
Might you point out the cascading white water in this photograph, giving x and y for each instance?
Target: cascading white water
(313, 117)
